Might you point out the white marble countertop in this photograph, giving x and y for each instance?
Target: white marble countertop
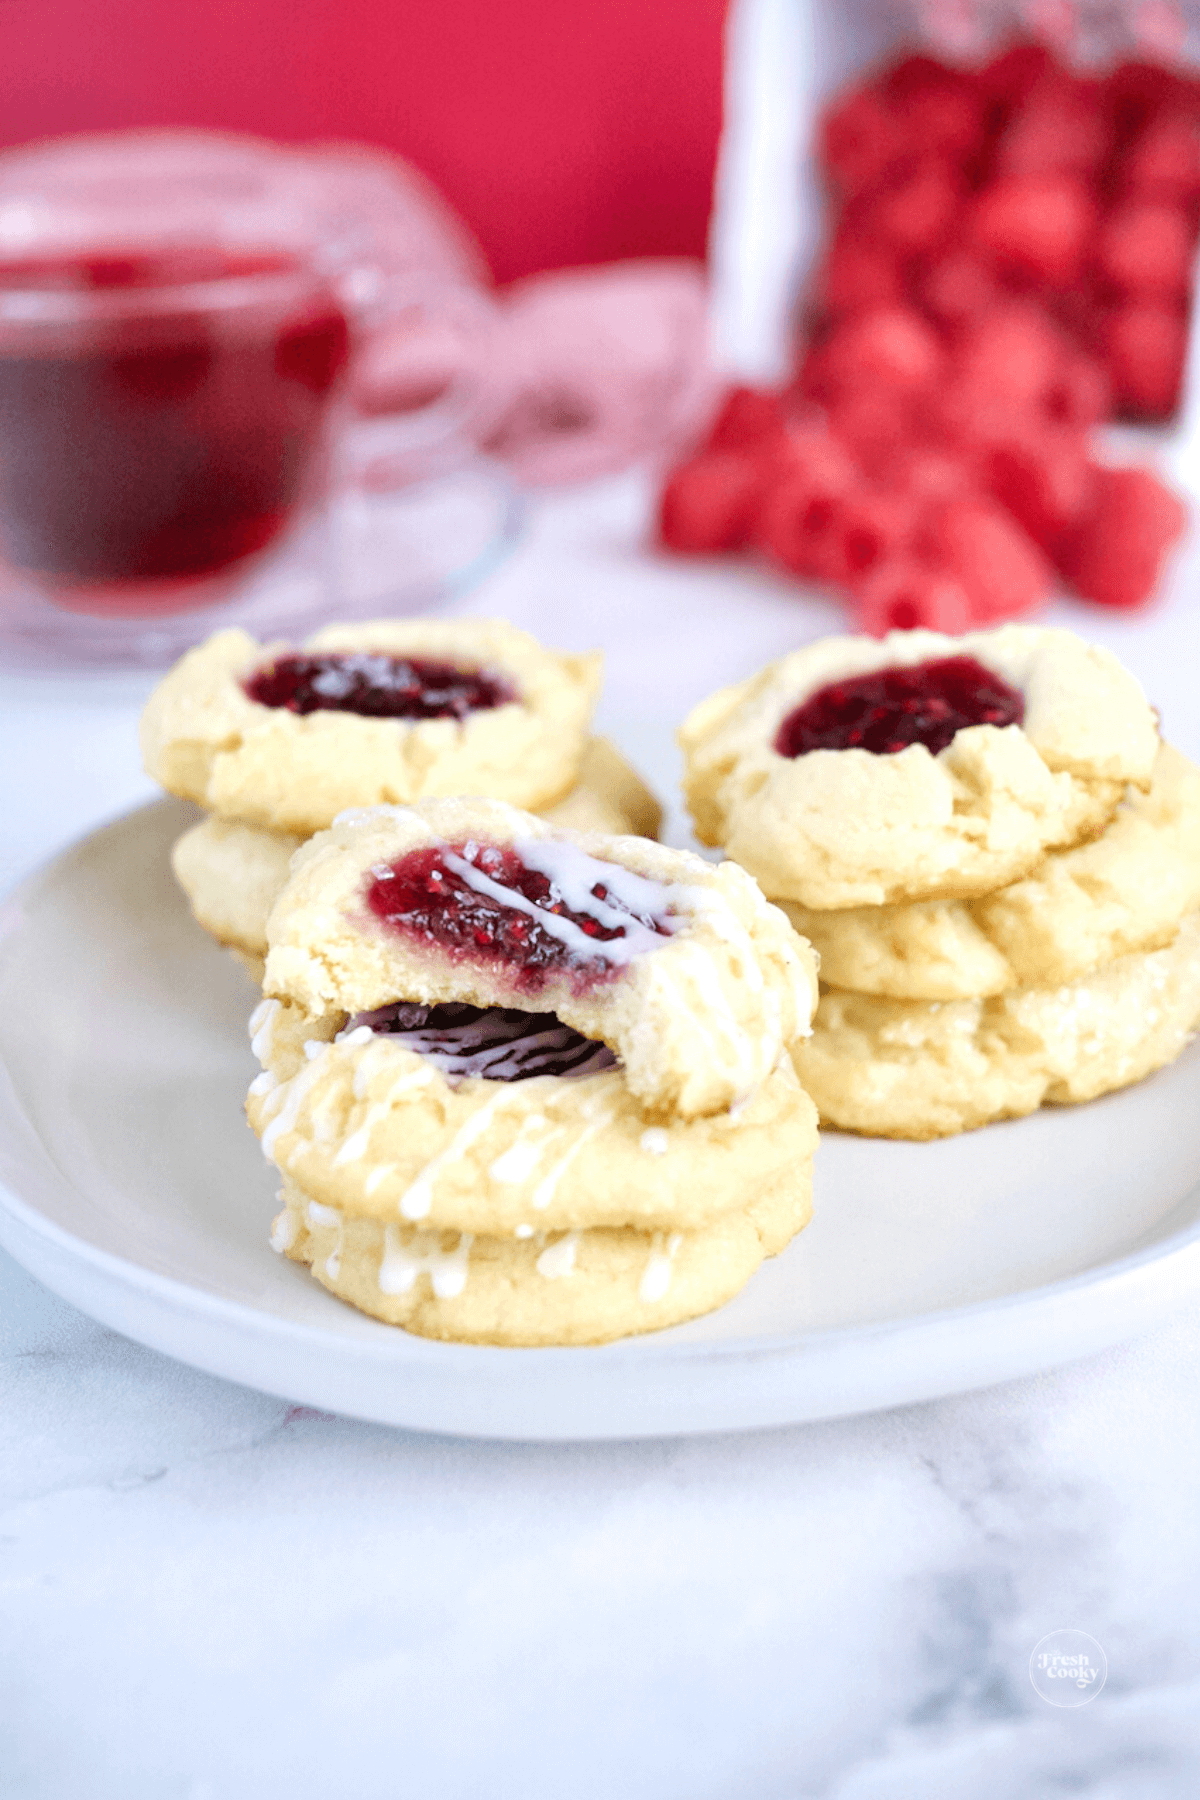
(208, 1594)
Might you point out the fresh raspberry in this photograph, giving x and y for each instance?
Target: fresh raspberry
(709, 503)
(1145, 249)
(1003, 383)
(809, 445)
(857, 274)
(927, 474)
(798, 517)
(1044, 479)
(1145, 346)
(1061, 127)
(1036, 225)
(1002, 571)
(859, 140)
(1013, 75)
(1139, 92)
(1079, 310)
(797, 528)
(1080, 394)
(889, 346)
(1118, 553)
(748, 416)
(940, 111)
(906, 595)
(956, 286)
(1012, 353)
(872, 527)
(874, 424)
(1164, 162)
(915, 214)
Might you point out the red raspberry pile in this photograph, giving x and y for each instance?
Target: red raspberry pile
(1008, 265)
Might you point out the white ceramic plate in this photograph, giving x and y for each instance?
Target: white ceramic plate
(134, 1189)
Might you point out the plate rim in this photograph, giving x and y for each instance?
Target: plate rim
(1134, 1280)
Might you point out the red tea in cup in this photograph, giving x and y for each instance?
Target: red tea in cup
(164, 418)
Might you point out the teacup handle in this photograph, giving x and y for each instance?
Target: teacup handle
(415, 385)
(409, 464)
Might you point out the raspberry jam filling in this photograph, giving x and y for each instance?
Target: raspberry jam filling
(494, 1043)
(890, 709)
(377, 686)
(537, 910)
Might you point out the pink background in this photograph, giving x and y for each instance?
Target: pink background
(565, 131)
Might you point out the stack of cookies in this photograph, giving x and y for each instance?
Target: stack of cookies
(274, 742)
(993, 852)
(526, 1085)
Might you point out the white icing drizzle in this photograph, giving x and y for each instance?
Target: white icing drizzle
(317, 1214)
(402, 1263)
(656, 1276)
(356, 1144)
(377, 1177)
(714, 1018)
(283, 1231)
(408, 1078)
(274, 1099)
(753, 1052)
(264, 1083)
(726, 925)
(523, 1231)
(559, 1258)
(522, 1157)
(370, 1055)
(313, 1047)
(599, 1116)
(296, 1090)
(321, 1115)
(575, 874)
(417, 1199)
(654, 1141)
(262, 1023)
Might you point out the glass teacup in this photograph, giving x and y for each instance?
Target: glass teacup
(180, 317)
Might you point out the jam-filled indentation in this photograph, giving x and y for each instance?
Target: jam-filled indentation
(541, 909)
(889, 709)
(494, 1043)
(377, 686)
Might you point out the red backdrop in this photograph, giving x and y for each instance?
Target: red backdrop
(565, 131)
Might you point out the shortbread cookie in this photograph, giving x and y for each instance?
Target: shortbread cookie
(1125, 891)
(694, 982)
(232, 875)
(526, 1085)
(366, 714)
(609, 796)
(578, 1287)
(926, 1069)
(232, 872)
(860, 772)
(432, 1117)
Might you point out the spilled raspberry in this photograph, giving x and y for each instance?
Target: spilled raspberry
(888, 710)
(377, 686)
